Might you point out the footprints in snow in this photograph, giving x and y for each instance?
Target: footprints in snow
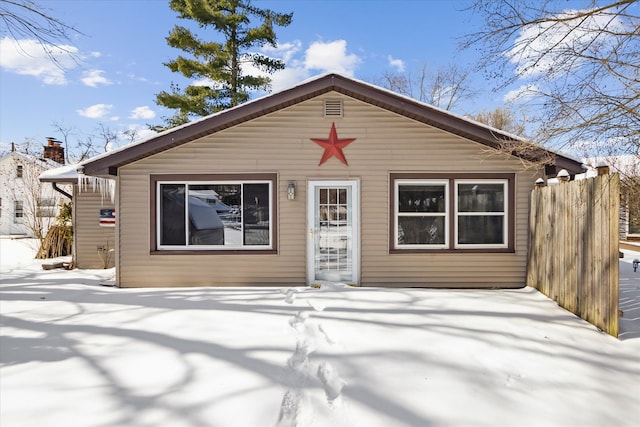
(331, 381)
(310, 335)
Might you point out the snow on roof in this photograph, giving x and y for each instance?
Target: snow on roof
(68, 173)
(41, 162)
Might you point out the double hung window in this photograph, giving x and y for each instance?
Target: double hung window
(421, 211)
(481, 211)
(18, 211)
(433, 212)
(214, 213)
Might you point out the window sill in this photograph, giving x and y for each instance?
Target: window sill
(215, 252)
(453, 251)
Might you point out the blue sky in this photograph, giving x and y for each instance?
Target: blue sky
(122, 49)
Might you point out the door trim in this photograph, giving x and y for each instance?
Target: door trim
(355, 224)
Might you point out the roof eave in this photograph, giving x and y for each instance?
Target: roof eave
(65, 180)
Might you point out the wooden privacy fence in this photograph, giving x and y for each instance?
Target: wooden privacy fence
(573, 247)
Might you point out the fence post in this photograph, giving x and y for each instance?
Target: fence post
(563, 176)
(602, 168)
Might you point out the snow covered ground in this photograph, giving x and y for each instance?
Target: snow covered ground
(74, 352)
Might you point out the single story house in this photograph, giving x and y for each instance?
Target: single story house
(332, 180)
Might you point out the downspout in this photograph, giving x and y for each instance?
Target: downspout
(61, 191)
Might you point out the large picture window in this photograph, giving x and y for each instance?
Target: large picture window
(214, 214)
(463, 212)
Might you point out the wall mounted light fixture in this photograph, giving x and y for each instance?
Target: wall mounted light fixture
(291, 190)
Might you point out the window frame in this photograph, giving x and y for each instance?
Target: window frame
(505, 214)
(211, 179)
(19, 171)
(18, 211)
(507, 179)
(397, 214)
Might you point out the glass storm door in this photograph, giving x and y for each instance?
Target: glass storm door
(332, 248)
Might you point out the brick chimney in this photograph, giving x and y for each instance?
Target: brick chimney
(54, 150)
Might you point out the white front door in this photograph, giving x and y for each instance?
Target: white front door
(333, 240)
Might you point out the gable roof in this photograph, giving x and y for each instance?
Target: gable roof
(107, 164)
(41, 163)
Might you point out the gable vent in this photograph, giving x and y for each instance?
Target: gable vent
(333, 108)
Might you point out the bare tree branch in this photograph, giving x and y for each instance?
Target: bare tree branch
(445, 87)
(26, 19)
(580, 66)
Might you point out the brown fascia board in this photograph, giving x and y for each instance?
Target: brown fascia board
(108, 165)
(572, 166)
(59, 180)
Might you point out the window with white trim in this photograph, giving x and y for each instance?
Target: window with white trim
(214, 215)
(421, 212)
(459, 212)
(481, 213)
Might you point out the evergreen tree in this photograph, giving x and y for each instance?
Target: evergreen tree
(220, 63)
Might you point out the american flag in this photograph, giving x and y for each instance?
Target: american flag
(108, 217)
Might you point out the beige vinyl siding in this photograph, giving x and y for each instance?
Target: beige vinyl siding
(88, 235)
(280, 142)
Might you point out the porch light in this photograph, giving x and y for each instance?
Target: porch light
(291, 190)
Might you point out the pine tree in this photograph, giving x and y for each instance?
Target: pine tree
(220, 63)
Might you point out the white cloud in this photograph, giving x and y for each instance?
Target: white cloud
(331, 57)
(96, 111)
(287, 78)
(300, 65)
(141, 132)
(94, 77)
(544, 48)
(522, 93)
(144, 133)
(29, 57)
(284, 51)
(143, 112)
(398, 64)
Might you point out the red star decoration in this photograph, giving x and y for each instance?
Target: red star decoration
(333, 146)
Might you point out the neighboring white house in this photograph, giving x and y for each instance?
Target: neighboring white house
(27, 206)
